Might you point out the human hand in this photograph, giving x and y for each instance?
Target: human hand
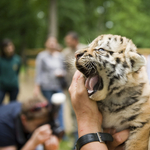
(41, 134)
(52, 143)
(119, 138)
(88, 116)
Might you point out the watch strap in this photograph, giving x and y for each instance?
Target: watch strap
(93, 137)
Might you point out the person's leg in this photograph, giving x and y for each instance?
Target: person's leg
(60, 116)
(2, 95)
(13, 94)
(47, 94)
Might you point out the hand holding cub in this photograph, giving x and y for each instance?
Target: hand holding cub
(89, 118)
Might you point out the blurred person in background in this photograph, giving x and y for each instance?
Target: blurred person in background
(50, 72)
(10, 64)
(26, 125)
(72, 42)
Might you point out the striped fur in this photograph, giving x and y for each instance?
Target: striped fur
(123, 97)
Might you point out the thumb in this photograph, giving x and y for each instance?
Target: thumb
(74, 81)
(81, 84)
(119, 138)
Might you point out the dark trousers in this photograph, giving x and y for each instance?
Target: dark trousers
(12, 94)
(48, 94)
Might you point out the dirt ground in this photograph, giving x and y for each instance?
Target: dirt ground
(26, 91)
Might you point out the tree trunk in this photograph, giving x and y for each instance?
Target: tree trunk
(52, 29)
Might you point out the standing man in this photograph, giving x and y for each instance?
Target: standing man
(72, 43)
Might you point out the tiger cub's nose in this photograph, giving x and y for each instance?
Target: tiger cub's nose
(78, 55)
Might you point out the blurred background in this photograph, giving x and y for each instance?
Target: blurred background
(29, 22)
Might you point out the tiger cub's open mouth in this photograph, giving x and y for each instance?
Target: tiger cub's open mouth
(93, 81)
(93, 84)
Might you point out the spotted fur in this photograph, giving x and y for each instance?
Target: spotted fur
(124, 91)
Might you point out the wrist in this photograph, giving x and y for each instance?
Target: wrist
(88, 127)
(34, 142)
(29, 145)
(93, 137)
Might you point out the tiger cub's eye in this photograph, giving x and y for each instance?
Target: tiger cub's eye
(101, 49)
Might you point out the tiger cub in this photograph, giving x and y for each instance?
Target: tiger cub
(116, 78)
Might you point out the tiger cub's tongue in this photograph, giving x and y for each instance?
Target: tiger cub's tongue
(91, 82)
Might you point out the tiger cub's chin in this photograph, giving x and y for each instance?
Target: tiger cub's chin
(117, 80)
(98, 95)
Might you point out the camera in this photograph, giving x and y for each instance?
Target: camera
(55, 126)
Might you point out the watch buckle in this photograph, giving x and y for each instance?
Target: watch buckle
(99, 137)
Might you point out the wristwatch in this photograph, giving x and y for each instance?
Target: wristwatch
(93, 137)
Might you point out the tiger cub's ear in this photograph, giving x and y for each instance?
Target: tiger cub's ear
(137, 61)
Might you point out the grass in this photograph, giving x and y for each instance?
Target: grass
(67, 144)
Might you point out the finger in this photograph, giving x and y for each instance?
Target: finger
(52, 143)
(122, 147)
(43, 128)
(52, 139)
(75, 77)
(47, 132)
(119, 138)
(81, 83)
(110, 131)
(74, 81)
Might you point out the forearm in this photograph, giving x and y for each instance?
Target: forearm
(89, 118)
(8, 148)
(86, 126)
(29, 145)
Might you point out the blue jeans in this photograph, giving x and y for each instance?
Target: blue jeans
(12, 94)
(48, 94)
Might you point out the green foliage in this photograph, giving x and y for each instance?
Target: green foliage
(79, 16)
(26, 22)
(65, 145)
(70, 15)
(17, 22)
(131, 19)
